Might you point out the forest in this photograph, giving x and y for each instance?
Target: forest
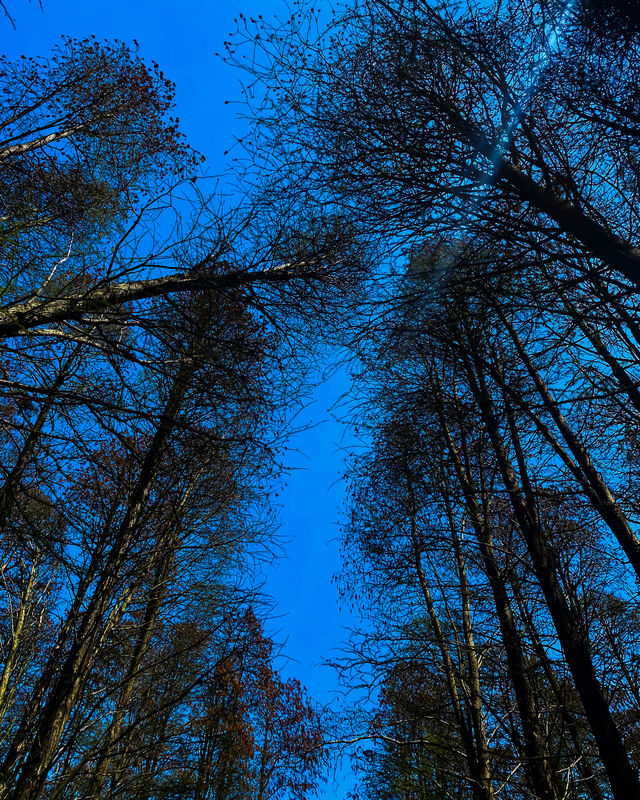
(442, 196)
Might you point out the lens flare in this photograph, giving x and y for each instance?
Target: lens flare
(552, 41)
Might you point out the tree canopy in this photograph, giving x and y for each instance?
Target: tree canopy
(492, 536)
(449, 193)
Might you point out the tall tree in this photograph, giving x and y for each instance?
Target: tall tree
(148, 360)
(476, 495)
(499, 141)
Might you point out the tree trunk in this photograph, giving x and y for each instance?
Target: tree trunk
(622, 774)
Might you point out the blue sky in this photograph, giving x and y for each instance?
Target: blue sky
(183, 38)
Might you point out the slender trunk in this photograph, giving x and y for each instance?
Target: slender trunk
(536, 760)
(602, 499)
(602, 243)
(15, 643)
(205, 765)
(622, 774)
(12, 481)
(625, 381)
(114, 732)
(474, 684)
(476, 757)
(42, 141)
(22, 316)
(585, 768)
(94, 624)
(262, 777)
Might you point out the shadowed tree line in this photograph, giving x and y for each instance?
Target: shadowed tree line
(151, 348)
(491, 537)
(153, 343)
